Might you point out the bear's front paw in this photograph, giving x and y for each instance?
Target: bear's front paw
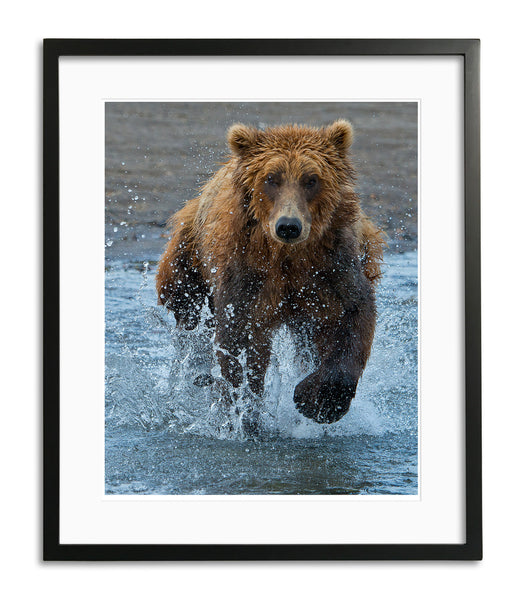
(325, 396)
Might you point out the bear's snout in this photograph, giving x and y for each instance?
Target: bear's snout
(288, 228)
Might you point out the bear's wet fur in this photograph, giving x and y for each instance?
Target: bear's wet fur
(277, 236)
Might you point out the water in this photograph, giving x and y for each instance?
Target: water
(166, 435)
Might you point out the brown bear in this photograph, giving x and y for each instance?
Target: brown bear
(277, 236)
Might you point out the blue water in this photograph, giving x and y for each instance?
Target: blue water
(165, 435)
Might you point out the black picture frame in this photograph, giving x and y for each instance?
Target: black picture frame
(469, 50)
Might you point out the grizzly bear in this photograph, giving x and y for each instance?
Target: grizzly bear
(277, 236)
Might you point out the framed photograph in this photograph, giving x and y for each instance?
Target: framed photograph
(262, 300)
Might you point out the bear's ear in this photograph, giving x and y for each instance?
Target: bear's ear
(341, 134)
(241, 138)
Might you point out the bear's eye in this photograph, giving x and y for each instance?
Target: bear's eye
(311, 181)
(271, 180)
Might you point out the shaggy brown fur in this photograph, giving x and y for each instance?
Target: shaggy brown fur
(316, 274)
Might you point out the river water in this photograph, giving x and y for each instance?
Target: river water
(166, 435)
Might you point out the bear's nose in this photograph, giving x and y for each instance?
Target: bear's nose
(288, 228)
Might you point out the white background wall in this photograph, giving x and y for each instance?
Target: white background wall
(23, 27)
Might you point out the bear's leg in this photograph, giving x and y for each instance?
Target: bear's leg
(256, 343)
(180, 285)
(231, 368)
(258, 354)
(326, 394)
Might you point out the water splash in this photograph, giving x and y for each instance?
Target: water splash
(153, 369)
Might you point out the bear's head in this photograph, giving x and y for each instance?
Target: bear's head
(294, 177)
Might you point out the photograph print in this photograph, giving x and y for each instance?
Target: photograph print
(261, 298)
